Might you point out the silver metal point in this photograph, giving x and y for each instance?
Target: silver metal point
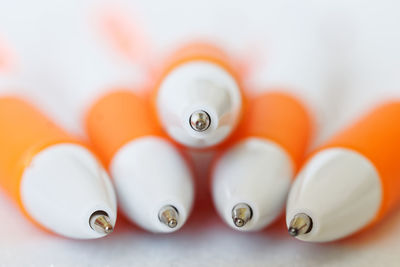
(300, 224)
(241, 214)
(168, 215)
(200, 121)
(100, 222)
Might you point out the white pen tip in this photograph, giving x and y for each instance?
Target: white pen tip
(200, 121)
(100, 222)
(168, 215)
(241, 214)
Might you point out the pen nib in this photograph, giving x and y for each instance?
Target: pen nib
(100, 222)
(168, 215)
(300, 224)
(241, 214)
(200, 121)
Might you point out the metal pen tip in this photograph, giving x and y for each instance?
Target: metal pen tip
(168, 215)
(200, 121)
(293, 231)
(241, 214)
(100, 222)
(300, 224)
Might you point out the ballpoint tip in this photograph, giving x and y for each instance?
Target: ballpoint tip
(241, 214)
(300, 224)
(200, 121)
(168, 215)
(100, 222)
(293, 231)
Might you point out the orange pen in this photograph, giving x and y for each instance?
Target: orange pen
(55, 179)
(152, 178)
(198, 99)
(251, 178)
(351, 182)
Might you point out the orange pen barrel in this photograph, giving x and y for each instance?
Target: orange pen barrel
(198, 96)
(118, 118)
(199, 51)
(377, 137)
(250, 179)
(25, 131)
(351, 182)
(280, 118)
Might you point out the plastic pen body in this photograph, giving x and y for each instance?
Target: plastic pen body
(153, 180)
(56, 180)
(352, 181)
(254, 172)
(198, 98)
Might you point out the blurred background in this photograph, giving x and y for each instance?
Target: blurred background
(340, 57)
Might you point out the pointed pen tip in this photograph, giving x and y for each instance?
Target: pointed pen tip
(200, 121)
(100, 222)
(241, 214)
(169, 215)
(300, 224)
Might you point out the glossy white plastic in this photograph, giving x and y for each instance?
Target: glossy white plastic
(149, 173)
(63, 186)
(340, 190)
(256, 172)
(193, 86)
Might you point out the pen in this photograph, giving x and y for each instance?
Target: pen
(152, 178)
(55, 179)
(252, 176)
(198, 98)
(349, 183)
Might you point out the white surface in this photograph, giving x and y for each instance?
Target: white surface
(256, 172)
(63, 186)
(362, 41)
(340, 190)
(149, 173)
(199, 85)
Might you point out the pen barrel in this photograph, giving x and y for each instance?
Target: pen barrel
(377, 137)
(199, 51)
(25, 131)
(280, 118)
(118, 118)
